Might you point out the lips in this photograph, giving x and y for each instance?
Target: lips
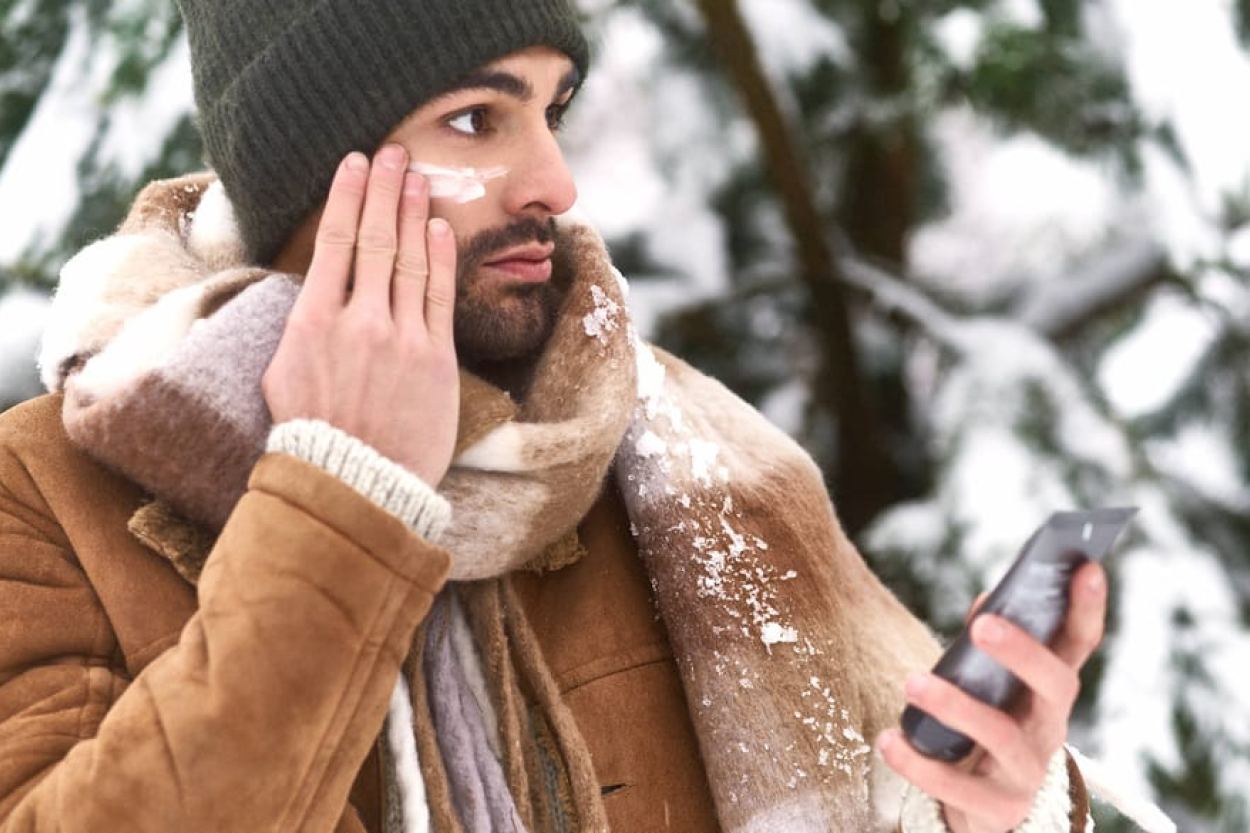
(531, 263)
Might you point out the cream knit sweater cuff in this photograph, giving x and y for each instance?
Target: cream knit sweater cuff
(1050, 814)
(378, 478)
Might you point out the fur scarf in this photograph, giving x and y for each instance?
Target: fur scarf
(791, 652)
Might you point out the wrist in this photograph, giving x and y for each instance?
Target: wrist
(378, 478)
(1051, 811)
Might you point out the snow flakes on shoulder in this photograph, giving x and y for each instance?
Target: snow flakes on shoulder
(703, 456)
(686, 469)
(839, 744)
(774, 634)
(605, 318)
(737, 576)
(650, 445)
(651, 376)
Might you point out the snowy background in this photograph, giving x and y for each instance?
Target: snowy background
(1038, 218)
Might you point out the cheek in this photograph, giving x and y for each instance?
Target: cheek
(466, 219)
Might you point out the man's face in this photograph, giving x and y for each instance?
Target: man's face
(505, 116)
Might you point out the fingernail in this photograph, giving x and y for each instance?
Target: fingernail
(357, 162)
(439, 227)
(1095, 582)
(391, 156)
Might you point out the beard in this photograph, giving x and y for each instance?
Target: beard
(499, 321)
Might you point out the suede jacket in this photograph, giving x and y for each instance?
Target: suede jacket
(131, 701)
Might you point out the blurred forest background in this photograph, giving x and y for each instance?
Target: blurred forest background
(985, 259)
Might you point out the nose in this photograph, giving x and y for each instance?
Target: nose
(540, 180)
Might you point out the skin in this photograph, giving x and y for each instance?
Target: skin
(385, 315)
(994, 790)
(505, 115)
(371, 345)
(380, 357)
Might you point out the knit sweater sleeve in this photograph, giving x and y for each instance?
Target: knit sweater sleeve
(357, 464)
(1061, 806)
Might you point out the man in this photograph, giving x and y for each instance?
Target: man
(654, 621)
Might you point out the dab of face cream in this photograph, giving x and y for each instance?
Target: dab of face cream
(459, 184)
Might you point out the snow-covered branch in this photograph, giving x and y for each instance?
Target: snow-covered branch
(1108, 280)
(894, 295)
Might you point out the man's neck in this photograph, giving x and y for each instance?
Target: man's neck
(513, 376)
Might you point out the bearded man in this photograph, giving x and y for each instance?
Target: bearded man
(358, 505)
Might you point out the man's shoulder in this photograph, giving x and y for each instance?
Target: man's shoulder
(33, 442)
(695, 386)
(32, 424)
(43, 470)
(33, 445)
(734, 423)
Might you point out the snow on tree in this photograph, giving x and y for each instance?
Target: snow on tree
(985, 259)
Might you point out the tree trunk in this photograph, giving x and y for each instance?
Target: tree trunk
(881, 184)
(863, 477)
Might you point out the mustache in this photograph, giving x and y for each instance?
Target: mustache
(478, 249)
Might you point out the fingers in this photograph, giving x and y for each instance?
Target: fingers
(377, 241)
(424, 289)
(1052, 683)
(976, 605)
(998, 792)
(993, 730)
(963, 791)
(375, 237)
(412, 267)
(1042, 671)
(335, 249)
(1087, 616)
(440, 295)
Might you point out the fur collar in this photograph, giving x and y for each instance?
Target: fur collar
(790, 651)
(160, 335)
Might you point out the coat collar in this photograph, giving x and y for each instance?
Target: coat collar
(183, 543)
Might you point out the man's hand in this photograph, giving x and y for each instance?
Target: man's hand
(996, 793)
(368, 346)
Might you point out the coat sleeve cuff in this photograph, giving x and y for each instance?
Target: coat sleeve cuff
(378, 478)
(1052, 808)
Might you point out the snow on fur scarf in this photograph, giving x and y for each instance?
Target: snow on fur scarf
(791, 653)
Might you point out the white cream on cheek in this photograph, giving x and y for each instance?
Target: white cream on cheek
(459, 184)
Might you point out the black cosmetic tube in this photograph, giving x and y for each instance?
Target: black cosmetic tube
(1034, 595)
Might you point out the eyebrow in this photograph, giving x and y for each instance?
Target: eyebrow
(509, 84)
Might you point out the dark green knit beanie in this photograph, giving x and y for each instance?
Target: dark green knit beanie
(286, 88)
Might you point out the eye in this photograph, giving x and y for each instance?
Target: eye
(556, 114)
(470, 122)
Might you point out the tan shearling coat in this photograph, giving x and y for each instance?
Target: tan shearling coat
(130, 701)
(127, 703)
(88, 608)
